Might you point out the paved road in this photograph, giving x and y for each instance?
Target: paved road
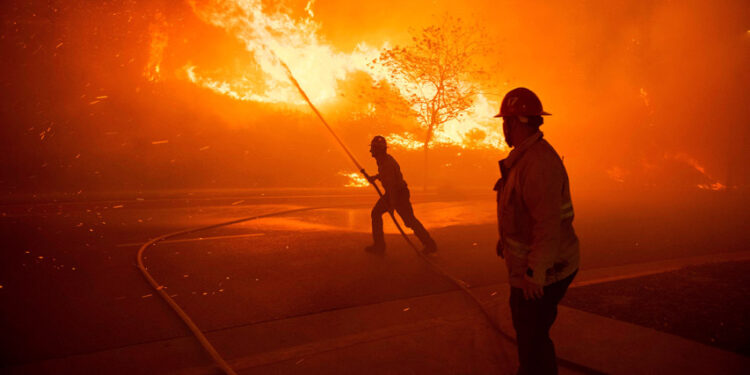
(70, 285)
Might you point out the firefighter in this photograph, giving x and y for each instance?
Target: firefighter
(535, 220)
(396, 198)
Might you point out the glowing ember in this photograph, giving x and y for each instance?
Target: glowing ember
(355, 180)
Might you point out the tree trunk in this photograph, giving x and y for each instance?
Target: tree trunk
(426, 153)
(426, 166)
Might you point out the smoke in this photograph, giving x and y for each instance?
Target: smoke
(628, 82)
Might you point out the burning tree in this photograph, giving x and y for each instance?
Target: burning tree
(440, 70)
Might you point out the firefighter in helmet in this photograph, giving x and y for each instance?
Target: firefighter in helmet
(535, 220)
(396, 198)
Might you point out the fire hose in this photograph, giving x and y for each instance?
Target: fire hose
(177, 309)
(222, 364)
(219, 360)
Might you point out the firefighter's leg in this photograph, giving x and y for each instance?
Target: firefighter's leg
(553, 294)
(536, 353)
(406, 211)
(378, 237)
(523, 322)
(532, 320)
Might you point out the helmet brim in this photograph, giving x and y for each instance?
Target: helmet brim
(544, 113)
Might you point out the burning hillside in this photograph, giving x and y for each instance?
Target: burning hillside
(182, 95)
(273, 36)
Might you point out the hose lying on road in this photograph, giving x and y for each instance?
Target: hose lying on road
(177, 309)
(225, 366)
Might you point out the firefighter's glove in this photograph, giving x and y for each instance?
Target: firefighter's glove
(499, 248)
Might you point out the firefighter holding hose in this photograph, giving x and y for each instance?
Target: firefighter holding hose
(535, 220)
(396, 198)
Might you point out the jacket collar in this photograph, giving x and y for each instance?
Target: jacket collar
(517, 152)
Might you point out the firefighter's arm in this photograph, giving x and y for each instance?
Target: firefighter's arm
(373, 178)
(542, 187)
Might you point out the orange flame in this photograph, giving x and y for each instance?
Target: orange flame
(319, 68)
(715, 185)
(315, 64)
(355, 180)
(159, 40)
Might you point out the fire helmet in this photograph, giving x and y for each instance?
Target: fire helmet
(521, 102)
(378, 143)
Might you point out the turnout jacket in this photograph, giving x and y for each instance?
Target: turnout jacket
(535, 214)
(389, 173)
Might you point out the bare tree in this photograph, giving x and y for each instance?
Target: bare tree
(441, 69)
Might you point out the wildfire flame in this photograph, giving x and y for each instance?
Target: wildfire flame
(319, 67)
(269, 37)
(274, 36)
(159, 40)
(619, 174)
(355, 180)
(715, 185)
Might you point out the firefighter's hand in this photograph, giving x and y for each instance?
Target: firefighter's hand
(499, 248)
(531, 290)
(372, 179)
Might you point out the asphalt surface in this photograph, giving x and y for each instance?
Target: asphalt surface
(70, 285)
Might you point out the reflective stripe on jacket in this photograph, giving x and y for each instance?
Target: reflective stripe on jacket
(535, 214)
